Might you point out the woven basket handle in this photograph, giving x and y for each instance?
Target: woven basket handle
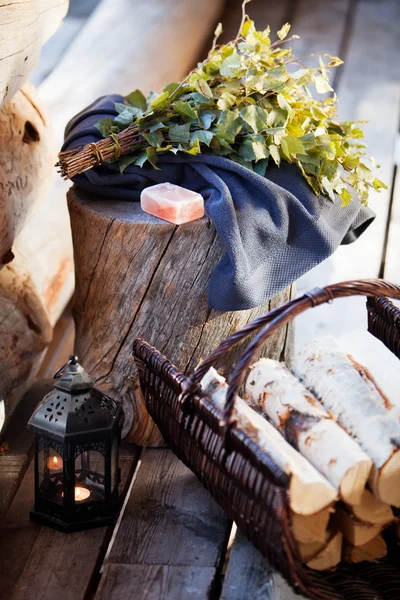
(277, 318)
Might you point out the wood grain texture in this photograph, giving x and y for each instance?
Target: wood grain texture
(27, 150)
(169, 519)
(368, 88)
(152, 278)
(155, 582)
(25, 27)
(392, 254)
(40, 562)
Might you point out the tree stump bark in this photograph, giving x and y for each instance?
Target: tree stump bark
(138, 276)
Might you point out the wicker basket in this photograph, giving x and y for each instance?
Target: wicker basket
(243, 479)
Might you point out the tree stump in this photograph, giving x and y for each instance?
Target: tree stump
(138, 276)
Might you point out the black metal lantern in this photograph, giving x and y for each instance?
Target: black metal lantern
(77, 437)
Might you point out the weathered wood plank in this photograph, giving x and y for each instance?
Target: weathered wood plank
(155, 582)
(169, 519)
(40, 562)
(370, 79)
(17, 442)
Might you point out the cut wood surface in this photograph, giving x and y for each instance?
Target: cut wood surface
(309, 427)
(356, 532)
(354, 400)
(309, 491)
(372, 550)
(372, 510)
(330, 556)
(151, 276)
(27, 150)
(311, 528)
(25, 27)
(34, 289)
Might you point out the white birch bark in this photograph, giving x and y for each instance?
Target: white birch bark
(356, 403)
(309, 427)
(309, 491)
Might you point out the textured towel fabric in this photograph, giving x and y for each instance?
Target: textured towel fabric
(273, 228)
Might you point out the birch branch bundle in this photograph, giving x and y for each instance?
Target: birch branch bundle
(351, 395)
(309, 428)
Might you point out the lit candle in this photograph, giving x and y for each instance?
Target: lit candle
(54, 463)
(81, 494)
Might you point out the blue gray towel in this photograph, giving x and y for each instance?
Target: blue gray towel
(273, 228)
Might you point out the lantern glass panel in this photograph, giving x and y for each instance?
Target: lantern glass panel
(51, 476)
(89, 476)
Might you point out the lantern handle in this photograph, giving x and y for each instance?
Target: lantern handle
(72, 360)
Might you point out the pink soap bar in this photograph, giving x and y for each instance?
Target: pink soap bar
(172, 203)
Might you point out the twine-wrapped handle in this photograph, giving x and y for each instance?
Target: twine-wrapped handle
(276, 318)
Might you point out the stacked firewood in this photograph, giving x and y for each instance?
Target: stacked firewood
(36, 267)
(329, 425)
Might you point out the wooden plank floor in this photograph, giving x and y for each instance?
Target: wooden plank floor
(172, 541)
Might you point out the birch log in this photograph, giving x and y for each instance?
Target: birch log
(357, 404)
(25, 27)
(330, 556)
(34, 289)
(372, 550)
(308, 529)
(356, 532)
(372, 510)
(309, 427)
(27, 152)
(309, 491)
(139, 276)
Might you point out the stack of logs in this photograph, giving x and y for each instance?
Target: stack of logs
(36, 266)
(329, 426)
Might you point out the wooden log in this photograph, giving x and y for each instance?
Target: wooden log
(372, 550)
(309, 427)
(27, 151)
(308, 529)
(309, 491)
(357, 404)
(330, 556)
(139, 276)
(25, 27)
(372, 510)
(356, 532)
(34, 289)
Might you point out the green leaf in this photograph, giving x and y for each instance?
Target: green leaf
(171, 88)
(154, 139)
(204, 137)
(261, 166)
(229, 125)
(226, 101)
(255, 116)
(335, 61)
(155, 126)
(179, 133)
(152, 157)
(322, 85)
(378, 185)
(184, 108)
(274, 151)
(137, 99)
(125, 161)
(206, 118)
(159, 100)
(104, 126)
(124, 119)
(346, 197)
(231, 66)
(203, 88)
(283, 32)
